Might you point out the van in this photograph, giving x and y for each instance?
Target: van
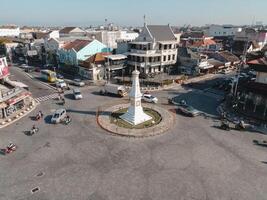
(77, 94)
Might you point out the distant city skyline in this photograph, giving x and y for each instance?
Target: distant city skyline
(130, 13)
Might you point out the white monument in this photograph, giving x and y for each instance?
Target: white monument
(135, 114)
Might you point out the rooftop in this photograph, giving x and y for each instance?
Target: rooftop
(161, 32)
(66, 30)
(77, 45)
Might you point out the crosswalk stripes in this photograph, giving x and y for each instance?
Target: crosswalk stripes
(47, 97)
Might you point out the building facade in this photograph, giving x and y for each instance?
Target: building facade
(12, 31)
(222, 30)
(80, 50)
(154, 50)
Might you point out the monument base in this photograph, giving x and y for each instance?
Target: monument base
(135, 116)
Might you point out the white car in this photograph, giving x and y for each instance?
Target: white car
(78, 82)
(149, 98)
(61, 83)
(77, 94)
(59, 116)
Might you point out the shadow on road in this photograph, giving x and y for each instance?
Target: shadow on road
(200, 102)
(69, 96)
(82, 112)
(47, 119)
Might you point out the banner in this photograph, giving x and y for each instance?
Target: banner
(4, 71)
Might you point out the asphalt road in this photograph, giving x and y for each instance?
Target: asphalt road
(37, 88)
(80, 161)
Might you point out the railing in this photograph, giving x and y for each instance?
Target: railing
(143, 64)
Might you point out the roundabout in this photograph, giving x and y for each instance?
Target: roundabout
(109, 120)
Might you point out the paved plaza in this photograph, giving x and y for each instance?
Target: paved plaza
(193, 160)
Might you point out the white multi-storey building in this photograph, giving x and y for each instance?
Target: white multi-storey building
(222, 30)
(154, 50)
(12, 31)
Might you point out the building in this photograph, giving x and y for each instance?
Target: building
(229, 59)
(13, 99)
(193, 63)
(249, 40)
(154, 50)
(9, 30)
(79, 50)
(46, 35)
(221, 30)
(93, 68)
(253, 95)
(115, 65)
(71, 31)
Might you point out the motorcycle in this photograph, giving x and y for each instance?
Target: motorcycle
(225, 126)
(33, 131)
(10, 148)
(66, 121)
(241, 126)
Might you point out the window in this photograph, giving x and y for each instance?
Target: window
(173, 56)
(169, 57)
(160, 46)
(164, 58)
(170, 46)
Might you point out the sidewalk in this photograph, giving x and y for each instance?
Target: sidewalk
(233, 117)
(18, 115)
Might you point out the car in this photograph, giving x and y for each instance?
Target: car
(48, 66)
(28, 69)
(78, 82)
(188, 110)
(37, 69)
(23, 66)
(149, 98)
(21, 59)
(59, 116)
(61, 83)
(60, 76)
(77, 94)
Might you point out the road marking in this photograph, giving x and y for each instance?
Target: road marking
(50, 96)
(47, 97)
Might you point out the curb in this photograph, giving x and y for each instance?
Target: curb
(19, 116)
(158, 129)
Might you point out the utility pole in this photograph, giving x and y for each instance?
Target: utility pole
(243, 61)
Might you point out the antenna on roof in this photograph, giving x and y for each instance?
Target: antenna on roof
(144, 20)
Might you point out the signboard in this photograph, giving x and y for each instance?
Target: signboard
(4, 71)
(32, 53)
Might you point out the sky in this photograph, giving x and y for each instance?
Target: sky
(131, 12)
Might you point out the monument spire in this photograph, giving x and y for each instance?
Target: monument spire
(135, 114)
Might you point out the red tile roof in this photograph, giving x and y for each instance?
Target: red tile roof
(98, 57)
(77, 45)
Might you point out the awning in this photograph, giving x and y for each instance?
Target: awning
(206, 67)
(116, 57)
(145, 55)
(136, 42)
(18, 98)
(168, 42)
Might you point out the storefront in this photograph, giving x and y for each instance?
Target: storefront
(15, 104)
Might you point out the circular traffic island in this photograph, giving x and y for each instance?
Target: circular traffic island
(155, 119)
(109, 120)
